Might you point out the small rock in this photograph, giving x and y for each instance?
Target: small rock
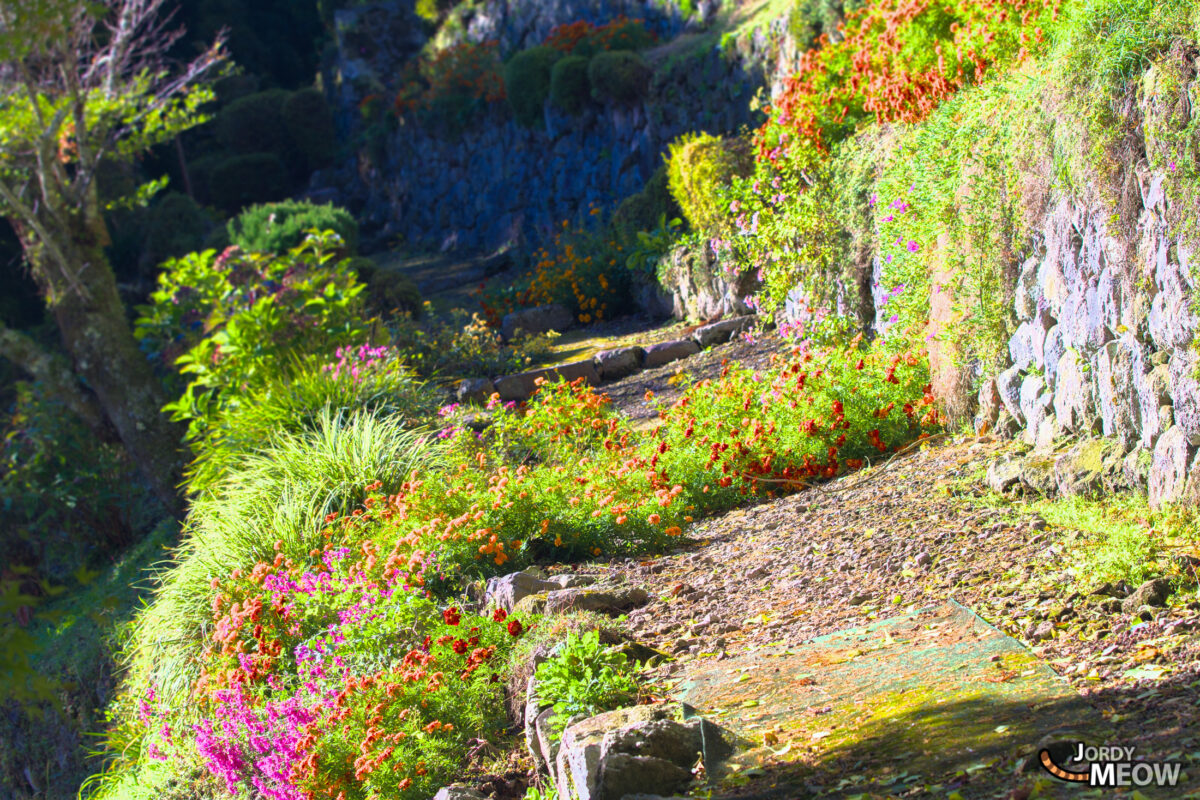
(508, 590)
(457, 792)
(1152, 593)
(1041, 632)
(923, 560)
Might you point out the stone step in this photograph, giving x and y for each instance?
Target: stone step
(606, 366)
(914, 700)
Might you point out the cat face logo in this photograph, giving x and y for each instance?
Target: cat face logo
(1106, 766)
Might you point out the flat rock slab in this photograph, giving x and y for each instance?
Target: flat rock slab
(936, 697)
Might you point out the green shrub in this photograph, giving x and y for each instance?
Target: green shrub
(254, 123)
(302, 390)
(239, 181)
(176, 225)
(388, 290)
(619, 76)
(642, 211)
(584, 677)
(463, 344)
(527, 83)
(309, 123)
(569, 87)
(278, 227)
(699, 165)
(229, 322)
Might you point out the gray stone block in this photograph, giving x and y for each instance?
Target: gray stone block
(723, 331)
(552, 317)
(616, 364)
(1169, 467)
(666, 352)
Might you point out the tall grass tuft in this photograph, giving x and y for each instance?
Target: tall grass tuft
(277, 496)
(296, 399)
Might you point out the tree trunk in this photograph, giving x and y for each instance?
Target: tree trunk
(52, 370)
(91, 319)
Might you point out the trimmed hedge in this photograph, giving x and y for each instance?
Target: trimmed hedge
(570, 89)
(254, 123)
(278, 227)
(239, 181)
(176, 226)
(309, 123)
(527, 83)
(619, 76)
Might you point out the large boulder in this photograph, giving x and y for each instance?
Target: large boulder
(1052, 353)
(522, 385)
(1082, 470)
(723, 331)
(1155, 414)
(1004, 473)
(508, 590)
(1082, 323)
(1027, 345)
(540, 319)
(475, 390)
(1116, 364)
(646, 750)
(1074, 394)
(989, 407)
(614, 601)
(1008, 384)
(1168, 471)
(1185, 392)
(1038, 473)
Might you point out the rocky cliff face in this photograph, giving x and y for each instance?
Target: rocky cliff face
(497, 183)
(1105, 347)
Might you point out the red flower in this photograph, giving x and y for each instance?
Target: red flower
(451, 616)
(460, 647)
(515, 628)
(499, 615)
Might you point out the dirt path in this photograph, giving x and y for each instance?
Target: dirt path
(870, 547)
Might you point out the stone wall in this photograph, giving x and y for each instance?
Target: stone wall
(496, 183)
(1105, 348)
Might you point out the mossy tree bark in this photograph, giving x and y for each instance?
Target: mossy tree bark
(81, 290)
(82, 85)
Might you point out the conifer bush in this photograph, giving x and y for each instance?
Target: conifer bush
(309, 123)
(527, 83)
(254, 123)
(239, 181)
(619, 76)
(569, 86)
(278, 227)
